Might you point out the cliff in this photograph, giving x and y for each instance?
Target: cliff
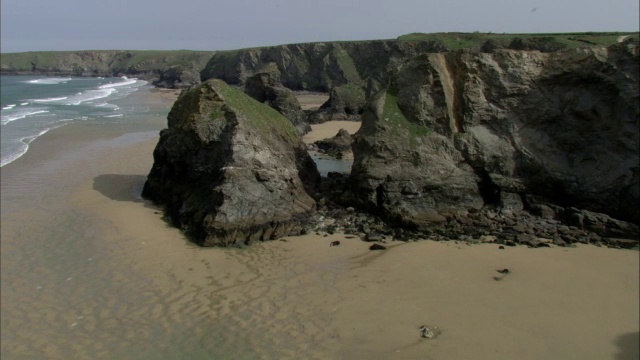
(515, 130)
(171, 69)
(230, 170)
(318, 66)
(323, 66)
(505, 136)
(310, 66)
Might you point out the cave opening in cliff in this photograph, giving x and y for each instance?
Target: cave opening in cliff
(489, 191)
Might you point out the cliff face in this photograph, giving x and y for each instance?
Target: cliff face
(172, 69)
(318, 66)
(230, 170)
(511, 129)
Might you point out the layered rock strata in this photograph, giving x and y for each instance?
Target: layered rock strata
(230, 170)
(513, 130)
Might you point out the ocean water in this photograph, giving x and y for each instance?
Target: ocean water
(34, 105)
(327, 164)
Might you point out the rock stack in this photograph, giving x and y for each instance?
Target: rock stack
(230, 170)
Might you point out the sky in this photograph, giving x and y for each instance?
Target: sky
(39, 25)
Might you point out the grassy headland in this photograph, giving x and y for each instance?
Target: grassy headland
(534, 41)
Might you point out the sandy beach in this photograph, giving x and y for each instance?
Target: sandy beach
(92, 271)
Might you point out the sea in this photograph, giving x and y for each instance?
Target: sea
(34, 105)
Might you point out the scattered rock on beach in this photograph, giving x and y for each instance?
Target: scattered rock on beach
(429, 332)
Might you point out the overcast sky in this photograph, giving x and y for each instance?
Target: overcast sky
(28, 25)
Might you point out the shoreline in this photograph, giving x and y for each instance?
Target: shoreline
(91, 271)
(153, 95)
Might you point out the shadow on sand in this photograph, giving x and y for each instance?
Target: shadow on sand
(120, 187)
(628, 346)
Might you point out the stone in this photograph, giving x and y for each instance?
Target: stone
(377, 247)
(429, 332)
(371, 237)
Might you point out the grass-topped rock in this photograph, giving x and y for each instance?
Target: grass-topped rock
(230, 170)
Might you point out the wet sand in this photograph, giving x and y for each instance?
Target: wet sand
(313, 101)
(91, 271)
(310, 100)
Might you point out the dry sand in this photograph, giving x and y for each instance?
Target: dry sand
(149, 293)
(329, 129)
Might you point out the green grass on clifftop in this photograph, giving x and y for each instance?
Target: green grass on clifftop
(551, 41)
(261, 116)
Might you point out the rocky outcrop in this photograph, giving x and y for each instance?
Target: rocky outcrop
(170, 69)
(346, 102)
(511, 130)
(563, 227)
(176, 77)
(338, 146)
(230, 170)
(412, 175)
(266, 88)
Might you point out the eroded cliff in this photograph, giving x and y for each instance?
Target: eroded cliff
(517, 130)
(318, 66)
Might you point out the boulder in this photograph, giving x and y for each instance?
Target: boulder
(230, 170)
(266, 88)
